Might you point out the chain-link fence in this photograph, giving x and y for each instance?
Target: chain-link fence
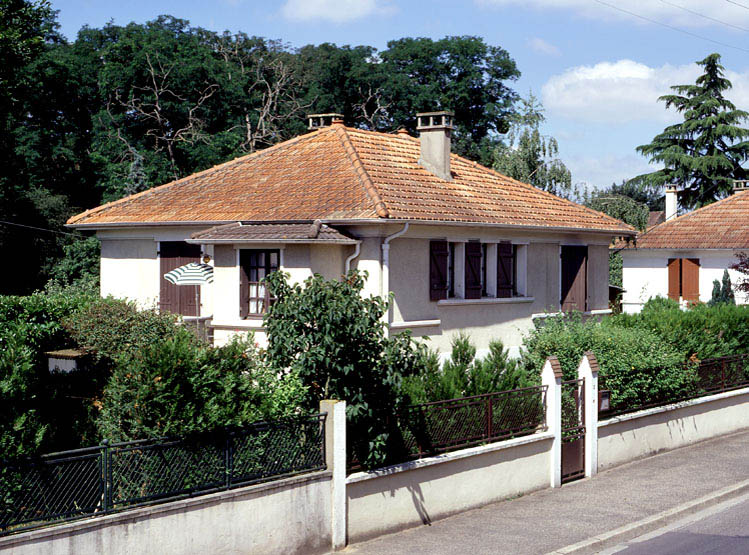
(106, 478)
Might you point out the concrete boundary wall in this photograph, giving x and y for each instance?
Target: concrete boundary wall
(285, 516)
(419, 492)
(632, 436)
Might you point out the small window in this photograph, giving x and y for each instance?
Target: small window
(506, 270)
(255, 265)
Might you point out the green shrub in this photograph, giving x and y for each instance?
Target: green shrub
(179, 386)
(722, 292)
(462, 375)
(636, 365)
(334, 339)
(110, 328)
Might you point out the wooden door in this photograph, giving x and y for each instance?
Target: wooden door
(690, 279)
(574, 278)
(178, 299)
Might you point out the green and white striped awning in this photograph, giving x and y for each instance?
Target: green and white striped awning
(194, 273)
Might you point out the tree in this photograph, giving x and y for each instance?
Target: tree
(530, 157)
(722, 292)
(704, 153)
(742, 266)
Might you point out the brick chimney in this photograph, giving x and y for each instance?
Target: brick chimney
(434, 132)
(316, 121)
(671, 202)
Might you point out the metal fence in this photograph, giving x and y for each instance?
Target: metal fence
(441, 426)
(711, 376)
(112, 477)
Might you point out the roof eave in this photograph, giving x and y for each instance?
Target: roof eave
(273, 241)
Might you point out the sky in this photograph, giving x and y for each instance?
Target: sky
(598, 66)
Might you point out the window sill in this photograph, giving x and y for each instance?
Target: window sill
(249, 323)
(485, 300)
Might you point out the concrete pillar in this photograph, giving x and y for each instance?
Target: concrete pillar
(335, 460)
(588, 370)
(551, 377)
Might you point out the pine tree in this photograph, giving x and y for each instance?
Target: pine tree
(703, 154)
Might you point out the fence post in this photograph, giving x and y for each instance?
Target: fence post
(588, 370)
(335, 460)
(551, 377)
(105, 486)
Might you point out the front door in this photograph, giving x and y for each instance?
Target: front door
(178, 299)
(573, 430)
(574, 278)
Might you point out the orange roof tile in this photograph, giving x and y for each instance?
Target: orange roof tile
(340, 173)
(721, 225)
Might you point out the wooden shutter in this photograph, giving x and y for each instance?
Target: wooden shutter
(178, 299)
(690, 279)
(574, 278)
(505, 269)
(473, 270)
(244, 285)
(438, 252)
(674, 278)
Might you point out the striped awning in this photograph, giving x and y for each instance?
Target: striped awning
(193, 273)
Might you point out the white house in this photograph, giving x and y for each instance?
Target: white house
(681, 257)
(462, 247)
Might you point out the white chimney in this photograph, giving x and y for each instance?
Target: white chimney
(671, 202)
(434, 132)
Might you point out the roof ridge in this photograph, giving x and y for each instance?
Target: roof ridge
(361, 172)
(228, 163)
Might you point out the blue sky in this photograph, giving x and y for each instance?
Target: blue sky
(597, 70)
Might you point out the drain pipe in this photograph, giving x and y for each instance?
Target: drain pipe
(385, 273)
(350, 259)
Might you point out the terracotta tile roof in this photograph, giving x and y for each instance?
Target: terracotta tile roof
(340, 173)
(721, 225)
(282, 233)
(656, 217)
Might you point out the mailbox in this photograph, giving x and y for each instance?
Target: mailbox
(604, 400)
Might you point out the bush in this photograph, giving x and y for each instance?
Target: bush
(110, 328)
(464, 376)
(636, 365)
(179, 386)
(334, 339)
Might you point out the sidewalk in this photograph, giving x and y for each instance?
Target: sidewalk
(552, 519)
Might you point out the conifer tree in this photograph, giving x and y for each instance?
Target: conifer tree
(703, 154)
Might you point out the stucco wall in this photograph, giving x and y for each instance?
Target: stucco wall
(637, 435)
(645, 274)
(423, 491)
(286, 516)
(130, 270)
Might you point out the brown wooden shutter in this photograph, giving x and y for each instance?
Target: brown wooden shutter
(438, 252)
(473, 270)
(505, 269)
(244, 285)
(178, 299)
(690, 279)
(674, 278)
(574, 278)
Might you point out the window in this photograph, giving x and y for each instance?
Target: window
(254, 266)
(684, 279)
(475, 270)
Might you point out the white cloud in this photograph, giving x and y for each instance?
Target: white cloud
(542, 47)
(335, 11)
(625, 91)
(669, 13)
(601, 171)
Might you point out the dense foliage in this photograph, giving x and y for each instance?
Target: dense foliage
(334, 339)
(722, 291)
(121, 109)
(636, 365)
(704, 153)
(463, 375)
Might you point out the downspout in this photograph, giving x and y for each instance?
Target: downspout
(385, 272)
(350, 259)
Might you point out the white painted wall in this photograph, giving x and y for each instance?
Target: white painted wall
(286, 516)
(645, 274)
(633, 436)
(130, 270)
(423, 491)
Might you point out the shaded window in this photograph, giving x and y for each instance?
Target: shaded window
(254, 266)
(684, 279)
(438, 270)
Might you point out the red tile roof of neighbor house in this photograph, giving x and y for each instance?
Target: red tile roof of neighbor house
(341, 173)
(721, 225)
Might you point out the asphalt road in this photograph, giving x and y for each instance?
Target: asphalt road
(721, 529)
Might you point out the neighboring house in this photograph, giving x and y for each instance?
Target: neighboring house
(461, 247)
(681, 257)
